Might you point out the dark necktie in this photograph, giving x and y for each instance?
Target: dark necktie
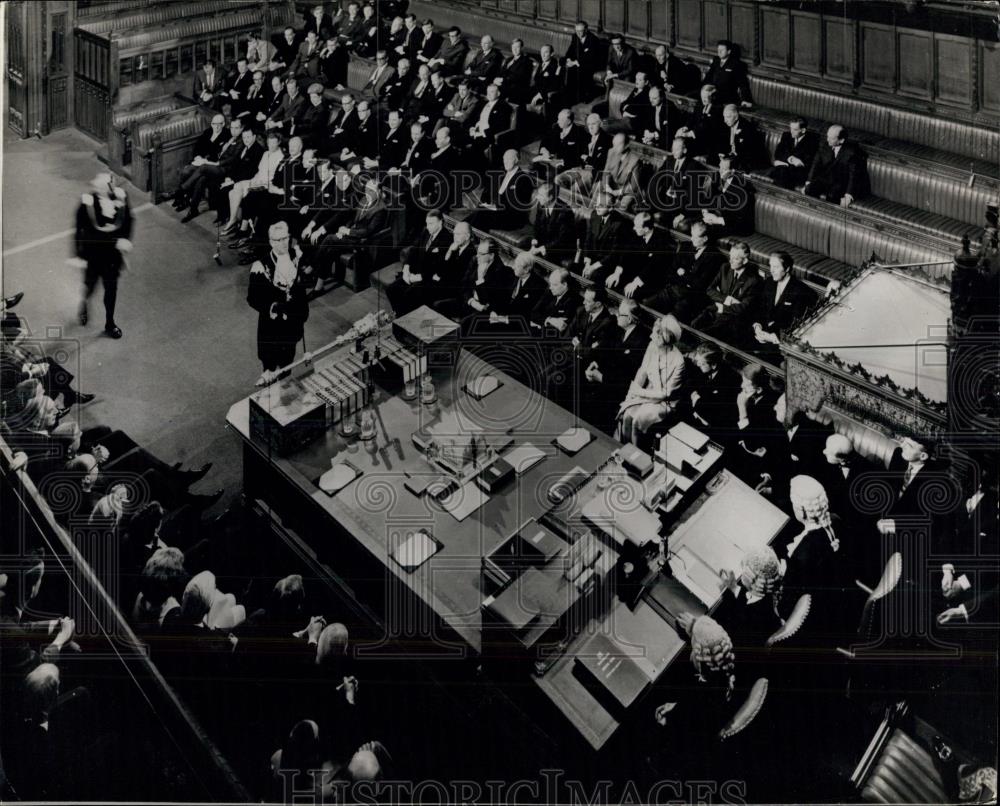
(517, 289)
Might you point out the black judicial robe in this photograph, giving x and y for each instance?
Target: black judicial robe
(276, 338)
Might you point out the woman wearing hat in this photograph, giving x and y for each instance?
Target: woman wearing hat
(103, 230)
(277, 292)
(654, 390)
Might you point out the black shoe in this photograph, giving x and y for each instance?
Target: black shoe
(83, 314)
(113, 331)
(84, 397)
(180, 200)
(10, 302)
(192, 214)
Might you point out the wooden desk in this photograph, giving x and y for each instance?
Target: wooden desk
(720, 525)
(377, 508)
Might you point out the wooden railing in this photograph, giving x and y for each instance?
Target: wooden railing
(192, 742)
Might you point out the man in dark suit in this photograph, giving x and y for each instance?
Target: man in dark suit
(237, 86)
(285, 51)
(518, 298)
(839, 172)
(560, 147)
(362, 142)
(635, 107)
(505, 202)
(668, 72)
(658, 125)
(369, 218)
(675, 186)
(206, 150)
(437, 185)
(433, 102)
(643, 266)
(397, 89)
(342, 125)
(413, 38)
(311, 125)
(758, 432)
(783, 301)
(318, 21)
(254, 110)
(705, 130)
(306, 66)
(839, 468)
(612, 368)
(274, 98)
(416, 158)
(333, 208)
(729, 208)
(208, 85)
(291, 105)
(693, 268)
(413, 103)
(794, 155)
(237, 168)
(380, 76)
(584, 57)
(742, 140)
(458, 112)
(392, 144)
(485, 65)
(484, 286)
(333, 61)
(447, 277)
(554, 311)
(603, 240)
(395, 39)
(429, 43)
(592, 156)
(713, 399)
(514, 78)
(733, 295)
(547, 85)
(623, 61)
(426, 256)
(450, 57)
(552, 224)
(210, 171)
(591, 330)
(351, 27)
(912, 468)
(494, 116)
(728, 74)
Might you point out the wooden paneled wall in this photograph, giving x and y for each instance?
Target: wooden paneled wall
(936, 58)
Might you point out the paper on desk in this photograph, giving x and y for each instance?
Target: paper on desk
(415, 550)
(692, 572)
(691, 437)
(524, 457)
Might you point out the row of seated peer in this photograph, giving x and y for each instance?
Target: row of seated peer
(118, 500)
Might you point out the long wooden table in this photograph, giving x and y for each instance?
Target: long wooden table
(378, 510)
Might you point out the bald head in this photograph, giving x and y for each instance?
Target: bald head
(837, 449)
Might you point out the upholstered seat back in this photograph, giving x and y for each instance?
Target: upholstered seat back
(185, 124)
(125, 117)
(904, 773)
(820, 107)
